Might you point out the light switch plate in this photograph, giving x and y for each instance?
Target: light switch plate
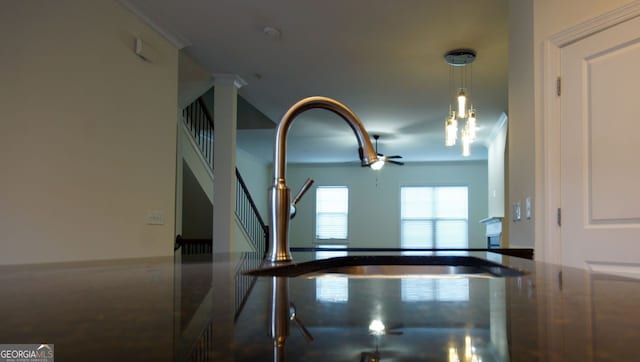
(527, 208)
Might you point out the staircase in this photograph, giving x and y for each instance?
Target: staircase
(198, 130)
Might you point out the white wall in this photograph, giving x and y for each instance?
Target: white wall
(530, 24)
(374, 198)
(88, 134)
(496, 168)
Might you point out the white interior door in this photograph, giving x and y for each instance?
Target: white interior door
(600, 150)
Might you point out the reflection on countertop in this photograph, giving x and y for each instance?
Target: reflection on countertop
(203, 310)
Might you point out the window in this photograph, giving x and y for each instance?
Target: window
(434, 217)
(435, 290)
(332, 289)
(332, 212)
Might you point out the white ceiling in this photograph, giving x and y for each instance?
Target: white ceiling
(382, 58)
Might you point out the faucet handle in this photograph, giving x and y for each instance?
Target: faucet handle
(302, 191)
(305, 187)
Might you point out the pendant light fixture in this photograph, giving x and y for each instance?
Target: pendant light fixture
(451, 128)
(459, 61)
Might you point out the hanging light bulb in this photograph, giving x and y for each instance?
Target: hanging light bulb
(466, 142)
(471, 123)
(462, 103)
(451, 129)
(453, 355)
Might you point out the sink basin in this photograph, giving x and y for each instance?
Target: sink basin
(392, 266)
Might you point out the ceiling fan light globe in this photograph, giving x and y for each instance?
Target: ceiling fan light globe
(377, 165)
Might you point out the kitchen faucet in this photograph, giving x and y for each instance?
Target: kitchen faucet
(281, 209)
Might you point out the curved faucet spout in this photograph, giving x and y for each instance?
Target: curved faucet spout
(280, 196)
(367, 152)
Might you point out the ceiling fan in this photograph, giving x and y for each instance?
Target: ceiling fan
(385, 159)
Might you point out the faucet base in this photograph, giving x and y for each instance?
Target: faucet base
(280, 197)
(279, 258)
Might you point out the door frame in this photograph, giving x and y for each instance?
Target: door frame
(548, 234)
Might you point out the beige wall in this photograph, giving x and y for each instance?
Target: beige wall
(193, 80)
(87, 134)
(530, 24)
(521, 119)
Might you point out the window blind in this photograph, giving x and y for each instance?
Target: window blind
(332, 212)
(434, 217)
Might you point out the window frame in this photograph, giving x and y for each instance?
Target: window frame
(434, 219)
(331, 240)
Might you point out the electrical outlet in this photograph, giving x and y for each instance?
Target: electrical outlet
(527, 208)
(155, 217)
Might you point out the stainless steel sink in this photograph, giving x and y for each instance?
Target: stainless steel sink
(392, 266)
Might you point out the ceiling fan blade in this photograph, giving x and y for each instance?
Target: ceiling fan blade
(395, 162)
(386, 158)
(394, 333)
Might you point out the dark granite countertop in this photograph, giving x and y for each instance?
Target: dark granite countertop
(196, 310)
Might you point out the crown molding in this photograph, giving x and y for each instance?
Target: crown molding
(175, 39)
(599, 23)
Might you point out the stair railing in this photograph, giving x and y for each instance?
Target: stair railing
(200, 123)
(249, 216)
(244, 283)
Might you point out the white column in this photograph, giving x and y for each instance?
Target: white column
(224, 160)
